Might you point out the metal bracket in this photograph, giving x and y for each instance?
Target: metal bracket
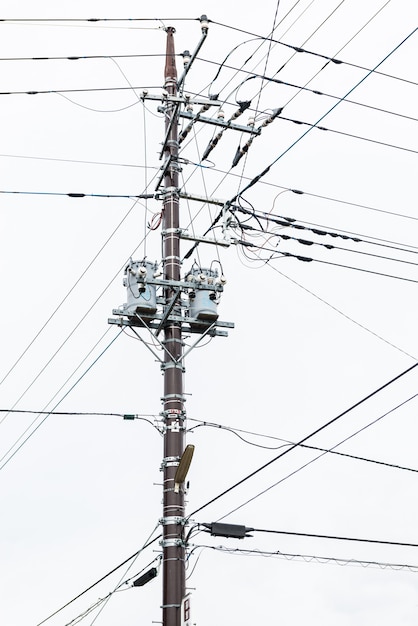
(175, 520)
(171, 543)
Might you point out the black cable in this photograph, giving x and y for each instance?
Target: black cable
(310, 52)
(297, 470)
(78, 195)
(252, 75)
(86, 57)
(337, 538)
(340, 132)
(85, 90)
(301, 192)
(286, 442)
(306, 259)
(309, 242)
(100, 580)
(292, 145)
(304, 439)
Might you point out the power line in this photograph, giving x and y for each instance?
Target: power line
(352, 135)
(322, 56)
(286, 442)
(337, 538)
(307, 259)
(315, 92)
(294, 143)
(307, 437)
(112, 571)
(319, 456)
(56, 405)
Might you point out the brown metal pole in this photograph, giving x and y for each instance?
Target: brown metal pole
(173, 502)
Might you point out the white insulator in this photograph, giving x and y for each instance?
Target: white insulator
(221, 114)
(251, 121)
(142, 271)
(202, 278)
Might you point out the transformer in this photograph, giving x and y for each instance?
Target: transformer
(203, 302)
(141, 297)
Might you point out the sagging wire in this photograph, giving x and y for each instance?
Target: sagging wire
(309, 558)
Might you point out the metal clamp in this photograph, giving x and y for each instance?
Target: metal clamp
(172, 543)
(168, 521)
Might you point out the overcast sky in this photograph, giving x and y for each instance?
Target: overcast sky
(81, 493)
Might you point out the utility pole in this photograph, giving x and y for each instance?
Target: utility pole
(173, 306)
(173, 402)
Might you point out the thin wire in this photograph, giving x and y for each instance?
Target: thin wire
(320, 455)
(133, 556)
(331, 263)
(321, 197)
(57, 404)
(328, 58)
(236, 431)
(308, 558)
(352, 135)
(337, 310)
(58, 307)
(122, 577)
(294, 143)
(58, 160)
(337, 538)
(315, 92)
(307, 437)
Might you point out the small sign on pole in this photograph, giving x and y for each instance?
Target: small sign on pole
(186, 619)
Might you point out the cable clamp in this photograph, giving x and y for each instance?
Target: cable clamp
(173, 520)
(172, 543)
(169, 461)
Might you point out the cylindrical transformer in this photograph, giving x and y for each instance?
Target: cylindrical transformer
(202, 302)
(141, 297)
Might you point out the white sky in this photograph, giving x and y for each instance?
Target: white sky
(83, 493)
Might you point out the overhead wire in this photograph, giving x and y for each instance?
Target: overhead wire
(340, 312)
(315, 92)
(285, 442)
(307, 437)
(10, 454)
(69, 292)
(319, 456)
(310, 52)
(112, 571)
(296, 141)
(308, 259)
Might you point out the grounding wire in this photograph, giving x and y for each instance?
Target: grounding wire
(307, 437)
